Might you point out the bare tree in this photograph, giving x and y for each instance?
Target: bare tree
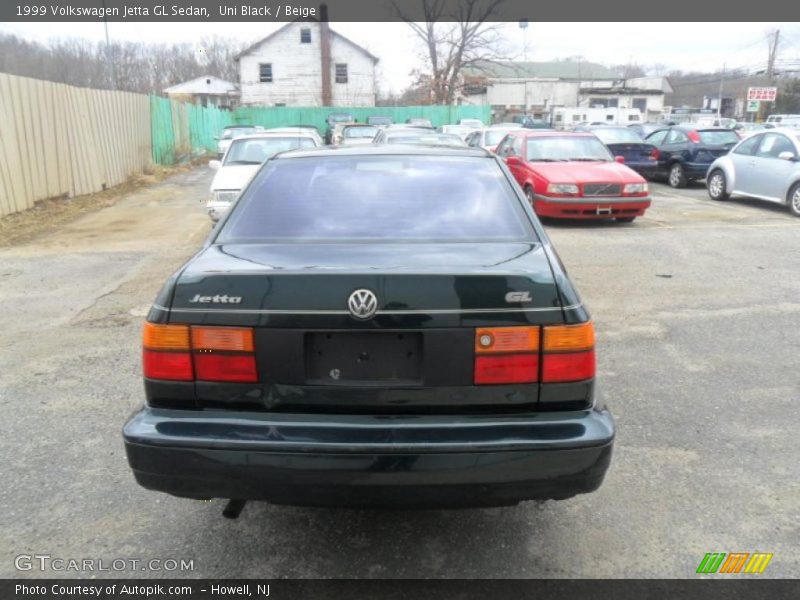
(454, 41)
(143, 68)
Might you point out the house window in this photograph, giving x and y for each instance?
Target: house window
(305, 35)
(640, 103)
(341, 72)
(265, 72)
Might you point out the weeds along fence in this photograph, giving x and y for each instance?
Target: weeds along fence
(58, 140)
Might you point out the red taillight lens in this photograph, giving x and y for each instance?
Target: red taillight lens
(573, 366)
(172, 366)
(509, 368)
(512, 354)
(225, 367)
(654, 154)
(184, 353)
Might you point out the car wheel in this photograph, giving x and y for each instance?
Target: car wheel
(529, 194)
(717, 185)
(625, 219)
(677, 176)
(794, 200)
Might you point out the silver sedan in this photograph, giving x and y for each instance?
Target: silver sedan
(765, 165)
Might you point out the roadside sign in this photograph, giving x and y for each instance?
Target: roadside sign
(767, 94)
(753, 106)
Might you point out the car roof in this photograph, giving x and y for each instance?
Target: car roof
(274, 133)
(387, 150)
(549, 133)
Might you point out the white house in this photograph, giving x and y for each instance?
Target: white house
(306, 63)
(205, 91)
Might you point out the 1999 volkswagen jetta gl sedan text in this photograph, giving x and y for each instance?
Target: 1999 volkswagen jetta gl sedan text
(375, 326)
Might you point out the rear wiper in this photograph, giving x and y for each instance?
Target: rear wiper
(548, 160)
(245, 162)
(587, 159)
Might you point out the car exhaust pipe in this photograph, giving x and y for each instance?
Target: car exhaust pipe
(233, 508)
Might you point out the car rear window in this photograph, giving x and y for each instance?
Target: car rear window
(433, 139)
(257, 150)
(360, 132)
(617, 135)
(383, 198)
(495, 136)
(718, 137)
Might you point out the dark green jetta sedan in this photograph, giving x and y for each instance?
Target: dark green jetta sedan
(372, 326)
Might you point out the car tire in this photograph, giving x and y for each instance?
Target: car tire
(677, 176)
(794, 200)
(625, 219)
(717, 185)
(529, 195)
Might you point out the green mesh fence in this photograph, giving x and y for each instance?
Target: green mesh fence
(283, 116)
(181, 128)
(162, 131)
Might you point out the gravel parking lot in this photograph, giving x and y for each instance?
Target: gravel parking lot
(697, 308)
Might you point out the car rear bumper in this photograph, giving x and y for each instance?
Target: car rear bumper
(647, 169)
(696, 170)
(355, 460)
(590, 208)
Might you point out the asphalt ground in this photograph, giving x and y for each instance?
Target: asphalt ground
(697, 308)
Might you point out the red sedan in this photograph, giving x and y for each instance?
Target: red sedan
(573, 176)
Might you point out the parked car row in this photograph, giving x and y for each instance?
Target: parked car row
(597, 171)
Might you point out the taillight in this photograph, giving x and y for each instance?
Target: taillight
(549, 354)
(654, 154)
(506, 355)
(693, 136)
(568, 353)
(166, 352)
(224, 354)
(184, 353)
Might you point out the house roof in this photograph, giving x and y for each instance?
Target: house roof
(559, 69)
(207, 84)
(334, 33)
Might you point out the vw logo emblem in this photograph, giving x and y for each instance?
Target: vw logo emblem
(362, 304)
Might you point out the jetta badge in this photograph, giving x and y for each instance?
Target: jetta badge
(362, 304)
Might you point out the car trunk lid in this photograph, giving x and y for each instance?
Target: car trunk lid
(415, 352)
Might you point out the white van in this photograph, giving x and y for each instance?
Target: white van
(784, 121)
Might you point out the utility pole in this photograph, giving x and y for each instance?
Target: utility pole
(719, 96)
(773, 54)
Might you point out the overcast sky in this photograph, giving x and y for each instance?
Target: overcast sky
(687, 46)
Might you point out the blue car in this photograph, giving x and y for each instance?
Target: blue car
(626, 143)
(684, 153)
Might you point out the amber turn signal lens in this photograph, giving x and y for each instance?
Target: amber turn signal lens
(233, 339)
(500, 340)
(568, 338)
(165, 337)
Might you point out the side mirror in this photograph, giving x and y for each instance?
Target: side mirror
(787, 156)
(513, 161)
(214, 165)
(620, 159)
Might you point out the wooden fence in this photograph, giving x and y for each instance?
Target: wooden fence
(59, 140)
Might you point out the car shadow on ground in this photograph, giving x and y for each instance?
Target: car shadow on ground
(551, 223)
(318, 542)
